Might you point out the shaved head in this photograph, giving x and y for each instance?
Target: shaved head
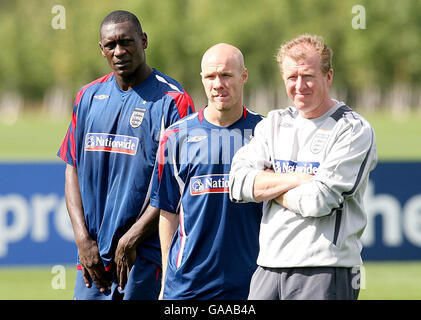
(223, 77)
(223, 51)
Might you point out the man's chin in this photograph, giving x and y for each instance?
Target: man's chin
(221, 104)
(300, 104)
(121, 72)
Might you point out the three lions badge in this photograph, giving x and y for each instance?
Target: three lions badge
(137, 117)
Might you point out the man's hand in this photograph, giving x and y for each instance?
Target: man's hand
(301, 178)
(89, 258)
(125, 257)
(92, 265)
(269, 185)
(125, 254)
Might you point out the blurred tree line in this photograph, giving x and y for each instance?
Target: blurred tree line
(374, 65)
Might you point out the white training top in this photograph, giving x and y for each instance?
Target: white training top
(326, 218)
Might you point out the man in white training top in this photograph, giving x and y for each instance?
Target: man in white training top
(310, 164)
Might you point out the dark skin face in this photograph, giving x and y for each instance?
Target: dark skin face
(124, 48)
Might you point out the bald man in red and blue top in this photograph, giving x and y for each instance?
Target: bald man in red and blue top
(110, 150)
(209, 244)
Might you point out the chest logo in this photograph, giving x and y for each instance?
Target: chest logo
(319, 141)
(137, 117)
(101, 96)
(114, 143)
(196, 138)
(289, 166)
(215, 183)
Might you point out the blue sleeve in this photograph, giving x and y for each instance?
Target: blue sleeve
(67, 151)
(166, 190)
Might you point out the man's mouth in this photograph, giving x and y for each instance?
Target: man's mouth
(220, 96)
(121, 64)
(301, 95)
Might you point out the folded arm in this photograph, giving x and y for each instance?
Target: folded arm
(252, 178)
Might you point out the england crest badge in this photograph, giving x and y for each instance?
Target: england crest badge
(319, 141)
(137, 117)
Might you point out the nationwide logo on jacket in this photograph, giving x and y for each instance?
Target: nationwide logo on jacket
(215, 183)
(289, 166)
(111, 143)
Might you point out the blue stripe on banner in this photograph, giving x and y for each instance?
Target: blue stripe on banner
(35, 227)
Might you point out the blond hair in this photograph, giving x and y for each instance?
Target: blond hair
(298, 48)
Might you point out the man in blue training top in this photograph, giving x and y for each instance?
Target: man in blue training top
(209, 244)
(110, 150)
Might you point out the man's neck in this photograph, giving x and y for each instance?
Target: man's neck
(223, 118)
(140, 75)
(321, 110)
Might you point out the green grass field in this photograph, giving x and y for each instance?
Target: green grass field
(35, 283)
(36, 137)
(383, 281)
(397, 138)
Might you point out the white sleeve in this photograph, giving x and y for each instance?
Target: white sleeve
(247, 162)
(350, 158)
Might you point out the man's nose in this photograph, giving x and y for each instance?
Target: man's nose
(299, 84)
(119, 50)
(217, 83)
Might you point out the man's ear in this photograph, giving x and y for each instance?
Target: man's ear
(329, 76)
(101, 47)
(145, 40)
(245, 75)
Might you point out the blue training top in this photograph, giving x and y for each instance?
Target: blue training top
(213, 253)
(112, 140)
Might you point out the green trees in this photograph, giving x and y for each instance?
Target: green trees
(384, 56)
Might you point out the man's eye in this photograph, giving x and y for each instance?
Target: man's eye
(110, 46)
(125, 42)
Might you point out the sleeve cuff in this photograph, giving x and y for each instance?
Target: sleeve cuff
(248, 186)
